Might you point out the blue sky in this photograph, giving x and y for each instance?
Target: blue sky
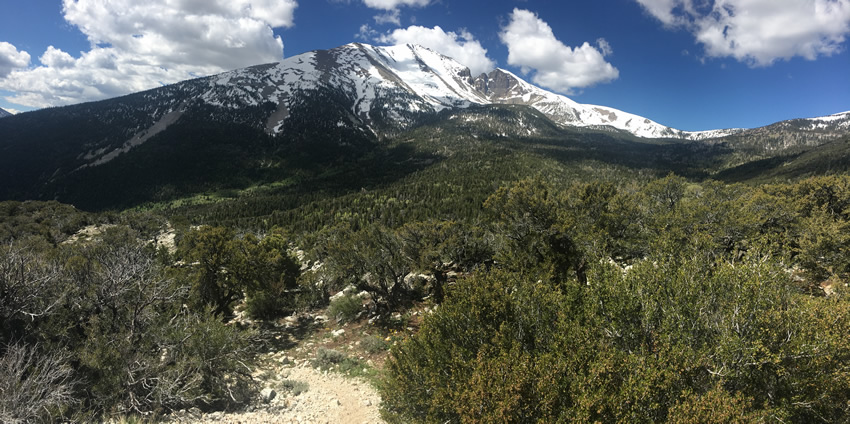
(689, 64)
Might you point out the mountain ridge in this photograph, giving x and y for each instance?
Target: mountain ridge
(262, 123)
(398, 82)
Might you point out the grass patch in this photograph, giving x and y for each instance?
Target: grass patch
(326, 358)
(294, 387)
(374, 344)
(333, 360)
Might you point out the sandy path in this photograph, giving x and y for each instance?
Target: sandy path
(331, 398)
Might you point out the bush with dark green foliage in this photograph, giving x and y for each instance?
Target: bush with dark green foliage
(630, 347)
(223, 268)
(438, 247)
(710, 313)
(269, 274)
(371, 260)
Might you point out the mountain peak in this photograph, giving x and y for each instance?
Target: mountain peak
(400, 80)
(4, 113)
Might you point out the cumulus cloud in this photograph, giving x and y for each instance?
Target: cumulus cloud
(461, 46)
(532, 46)
(11, 58)
(391, 17)
(56, 58)
(140, 45)
(759, 32)
(395, 4)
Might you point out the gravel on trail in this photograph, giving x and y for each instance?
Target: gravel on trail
(330, 398)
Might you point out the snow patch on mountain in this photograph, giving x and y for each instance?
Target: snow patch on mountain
(101, 156)
(839, 121)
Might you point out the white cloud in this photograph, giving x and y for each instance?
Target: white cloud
(140, 45)
(11, 58)
(759, 32)
(391, 17)
(461, 46)
(366, 33)
(392, 13)
(604, 47)
(394, 4)
(56, 58)
(532, 46)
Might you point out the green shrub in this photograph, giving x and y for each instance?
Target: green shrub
(226, 266)
(295, 387)
(374, 344)
(648, 345)
(326, 358)
(345, 308)
(107, 314)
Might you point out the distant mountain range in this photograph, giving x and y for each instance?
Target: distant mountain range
(326, 102)
(4, 114)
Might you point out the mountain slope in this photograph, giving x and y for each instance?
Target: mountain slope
(783, 139)
(311, 112)
(4, 114)
(501, 86)
(829, 158)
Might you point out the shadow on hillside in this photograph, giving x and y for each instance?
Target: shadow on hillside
(314, 182)
(280, 337)
(685, 158)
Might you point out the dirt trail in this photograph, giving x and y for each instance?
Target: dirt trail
(331, 398)
(335, 399)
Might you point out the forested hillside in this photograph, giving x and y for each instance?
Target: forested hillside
(608, 299)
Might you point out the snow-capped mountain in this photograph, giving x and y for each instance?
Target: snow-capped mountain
(371, 90)
(394, 83)
(4, 114)
(398, 82)
(792, 135)
(321, 107)
(375, 89)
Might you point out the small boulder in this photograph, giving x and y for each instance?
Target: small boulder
(267, 394)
